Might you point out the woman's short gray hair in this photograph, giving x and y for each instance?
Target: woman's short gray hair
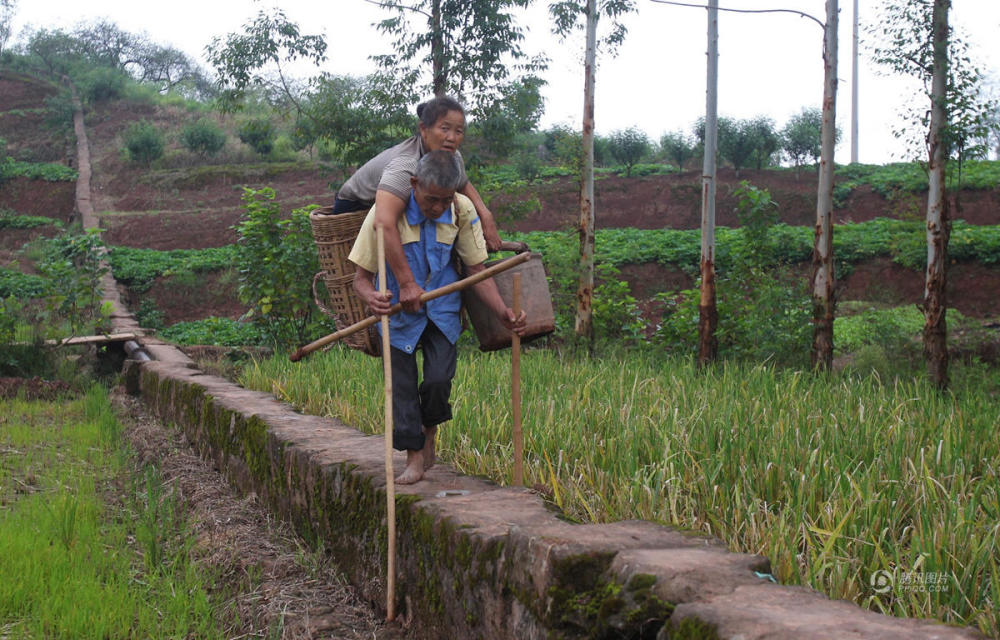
(439, 169)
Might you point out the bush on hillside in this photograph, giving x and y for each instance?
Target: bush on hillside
(203, 137)
(259, 134)
(143, 142)
(101, 84)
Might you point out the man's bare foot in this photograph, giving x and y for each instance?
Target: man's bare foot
(414, 470)
(429, 456)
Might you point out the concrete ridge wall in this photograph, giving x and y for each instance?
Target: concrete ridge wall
(476, 560)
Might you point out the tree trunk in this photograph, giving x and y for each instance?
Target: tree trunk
(854, 86)
(585, 290)
(938, 224)
(823, 278)
(440, 82)
(708, 315)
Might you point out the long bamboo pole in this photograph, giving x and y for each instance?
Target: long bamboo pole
(390, 484)
(465, 283)
(515, 390)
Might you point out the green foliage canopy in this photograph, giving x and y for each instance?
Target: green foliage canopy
(629, 146)
(470, 47)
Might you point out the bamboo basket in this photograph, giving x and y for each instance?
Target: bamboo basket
(334, 236)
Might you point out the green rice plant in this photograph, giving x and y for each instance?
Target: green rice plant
(837, 478)
(157, 511)
(70, 551)
(64, 518)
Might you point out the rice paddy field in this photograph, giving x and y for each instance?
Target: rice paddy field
(883, 492)
(77, 561)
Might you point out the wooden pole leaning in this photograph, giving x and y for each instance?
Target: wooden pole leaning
(390, 482)
(464, 283)
(515, 388)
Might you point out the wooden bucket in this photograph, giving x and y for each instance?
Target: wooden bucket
(334, 236)
(535, 300)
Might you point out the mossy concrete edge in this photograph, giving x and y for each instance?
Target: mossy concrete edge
(476, 560)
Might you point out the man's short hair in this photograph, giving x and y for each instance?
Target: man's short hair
(439, 169)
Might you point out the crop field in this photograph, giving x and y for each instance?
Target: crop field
(838, 479)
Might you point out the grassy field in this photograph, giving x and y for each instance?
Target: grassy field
(844, 482)
(87, 565)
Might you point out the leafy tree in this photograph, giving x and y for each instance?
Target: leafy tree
(757, 212)
(242, 60)
(359, 117)
(678, 147)
(464, 44)
(565, 146)
(764, 140)
(498, 125)
(800, 137)
(259, 133)
(143, 142)
(54, 51)
(103, 44)
(629, 146)
(8, 8)
(73, 263)
(204, 137)
(736, 143)
(906, 29)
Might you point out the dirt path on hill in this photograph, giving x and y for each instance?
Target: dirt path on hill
(282, 587)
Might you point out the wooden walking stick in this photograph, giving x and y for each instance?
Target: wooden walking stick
(515, 388)
(390, 485)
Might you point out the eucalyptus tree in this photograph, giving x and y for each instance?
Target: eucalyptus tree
(920, 43)
(823, 276)
(568, 15)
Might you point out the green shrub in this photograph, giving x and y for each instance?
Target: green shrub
(10, 220)
(101, 84)
(762, 316)
(204, 137)
(616, 312)
(21, 285)
(276, 263)
(72, 264)
(48, 171)
(148, 315)
(143, 142)
(259, 133)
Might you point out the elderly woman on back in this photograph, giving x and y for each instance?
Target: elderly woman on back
(385, 182)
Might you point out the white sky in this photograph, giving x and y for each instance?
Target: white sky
(769, 64)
